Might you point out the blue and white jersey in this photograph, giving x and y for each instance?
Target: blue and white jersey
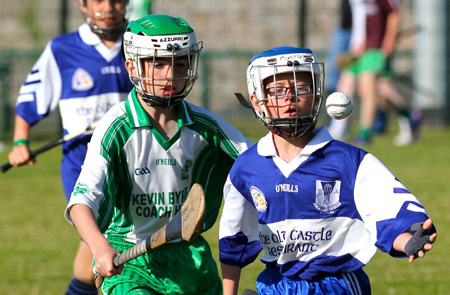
(327, 211)
(81, 75)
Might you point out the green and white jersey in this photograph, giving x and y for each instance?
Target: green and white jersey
(135, 180)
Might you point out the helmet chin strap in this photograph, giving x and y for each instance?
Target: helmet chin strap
(108, 33)
(160, 102)
(291, 128)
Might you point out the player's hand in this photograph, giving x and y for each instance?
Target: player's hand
(20, 155)
(420, 242)
(358, 49)
(104, 263)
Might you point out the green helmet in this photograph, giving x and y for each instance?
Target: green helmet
(155, 36)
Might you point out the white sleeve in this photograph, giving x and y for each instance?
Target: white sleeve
(358, 33)
(43, 83)
(379, 195)
(90, 184)
(238, 215)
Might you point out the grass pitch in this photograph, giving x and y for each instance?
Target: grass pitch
(37, 245)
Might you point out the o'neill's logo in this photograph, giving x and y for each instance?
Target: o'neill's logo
(327, 196)
(258, 199)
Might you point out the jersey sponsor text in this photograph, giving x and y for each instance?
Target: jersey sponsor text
(157, 205)
(294, 241)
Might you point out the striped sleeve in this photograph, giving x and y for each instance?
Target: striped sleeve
(40, 93)
(386, 206)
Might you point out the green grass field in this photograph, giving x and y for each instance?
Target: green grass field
(37, 245)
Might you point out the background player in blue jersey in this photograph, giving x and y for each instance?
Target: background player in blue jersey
(143, 158)
(318, 207)
(83, 74)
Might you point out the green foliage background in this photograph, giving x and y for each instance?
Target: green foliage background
(37, 245)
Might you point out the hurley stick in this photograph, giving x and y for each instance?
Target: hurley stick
(5, 167)
(185, 225)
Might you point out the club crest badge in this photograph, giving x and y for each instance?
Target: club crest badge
(185, 169)
(81, 188)
(81, 80)
(258, 199)
(327, 196)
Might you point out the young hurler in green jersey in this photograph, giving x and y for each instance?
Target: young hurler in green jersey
(143, 158)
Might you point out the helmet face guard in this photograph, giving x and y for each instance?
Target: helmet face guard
(161, 36)
(291, 60)
(110, 32)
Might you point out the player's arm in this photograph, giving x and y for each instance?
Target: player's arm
(388, 207)
(416, 240)
(231, 275)
(239, 243)
(392, 25)
(20, 153)
(358, 34)
(40, 91)
(84, 221)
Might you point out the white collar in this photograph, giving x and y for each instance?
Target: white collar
(90, 38)
(266, 148)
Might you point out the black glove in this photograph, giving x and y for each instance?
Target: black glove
(420, 237)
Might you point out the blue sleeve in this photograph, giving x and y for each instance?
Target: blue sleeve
(389, 229)
(237, 250)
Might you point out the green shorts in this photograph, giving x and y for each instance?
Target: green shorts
(177, 268)
(373, 61)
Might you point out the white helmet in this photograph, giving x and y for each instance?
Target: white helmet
(279, 60)
(156, 36)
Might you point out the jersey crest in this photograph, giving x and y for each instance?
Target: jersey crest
(185, 169)
(81, 80)
(258, 199)
(81, 188)
(327, 196)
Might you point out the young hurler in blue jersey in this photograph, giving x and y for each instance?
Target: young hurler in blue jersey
(318, 207)
(83, 74)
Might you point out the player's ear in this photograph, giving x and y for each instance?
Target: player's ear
(129, 66)
(254, 101)
(83, 5)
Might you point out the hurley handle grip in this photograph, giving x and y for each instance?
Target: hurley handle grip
(6, 167)
(123, 258)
